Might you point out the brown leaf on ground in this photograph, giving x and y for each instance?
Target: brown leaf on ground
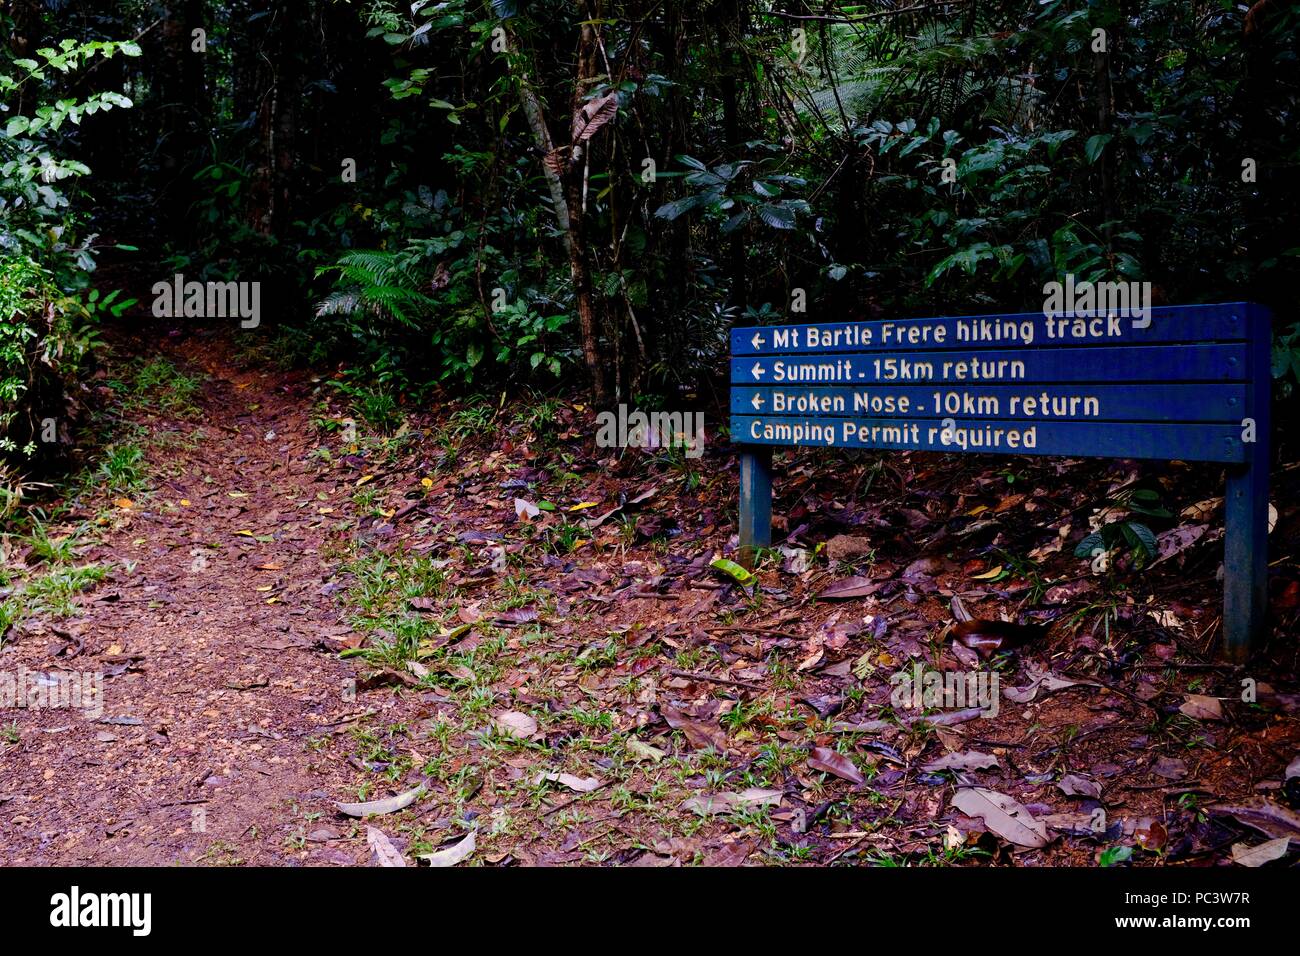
(698, 733)
(1268, 818)
(449, 856)
(988, 637)
(970, 760)
(516, 724)
(1201, 707)
(385, 853)
(1254, 856)
(829, 761)
(849, 588)
(377, 807)
(1003, 815)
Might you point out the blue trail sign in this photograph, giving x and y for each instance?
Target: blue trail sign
(1185, 382)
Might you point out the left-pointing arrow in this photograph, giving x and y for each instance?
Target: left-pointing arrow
(757, 400)
(757, 341)
(757, 370)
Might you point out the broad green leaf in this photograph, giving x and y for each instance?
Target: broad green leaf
(733, 570)
(1093, 148)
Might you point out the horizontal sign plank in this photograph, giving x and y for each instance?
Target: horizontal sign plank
(1105, 403)
(1204, 442)
(1229, 322)
(1166, 363)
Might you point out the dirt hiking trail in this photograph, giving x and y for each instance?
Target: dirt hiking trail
(215, 677)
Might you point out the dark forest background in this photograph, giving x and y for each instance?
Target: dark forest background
(565, 194)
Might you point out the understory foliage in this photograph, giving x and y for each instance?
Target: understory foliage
(475, 192)
(862, 159)
(48, 307)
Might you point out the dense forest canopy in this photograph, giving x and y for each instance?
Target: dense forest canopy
(468, 192)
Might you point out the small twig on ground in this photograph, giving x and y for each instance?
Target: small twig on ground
(691, 675)
(1161, 786)
(736, 629)
(573, 800)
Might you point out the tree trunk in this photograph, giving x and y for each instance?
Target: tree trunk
(729, 27)
(564, 180)
(183, 101)
(271, 191)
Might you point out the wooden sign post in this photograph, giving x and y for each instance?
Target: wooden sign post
(1185, 382)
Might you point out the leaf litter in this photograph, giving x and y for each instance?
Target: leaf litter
(612, 690)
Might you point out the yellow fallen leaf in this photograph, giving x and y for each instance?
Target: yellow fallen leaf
(364, 479)
(389, 513)
(264, 587)
(978, 509)
(427, 482)
(237, 494)
(584, 505)
(862, 667)
(124, 503)
(185, 502)
(114, 649)
(246, 534)
(988, 575)
(1202, 510)
(1166, 619)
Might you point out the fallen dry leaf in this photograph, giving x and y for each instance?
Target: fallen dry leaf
(516, 724)
(1073, 785)
(576, 783)
(715, 803)
(1003, 815)
(377, 807)
(970, 760)
(385, 853)
(1268, 818)
(856, 587)
(451, 855)
(1253, 856)
(700, 734)
(829, 761)
(1201, 707)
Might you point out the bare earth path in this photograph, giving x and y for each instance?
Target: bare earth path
(209, 634)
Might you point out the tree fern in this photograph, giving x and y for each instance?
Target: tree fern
(920, 64)
(376, 283)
